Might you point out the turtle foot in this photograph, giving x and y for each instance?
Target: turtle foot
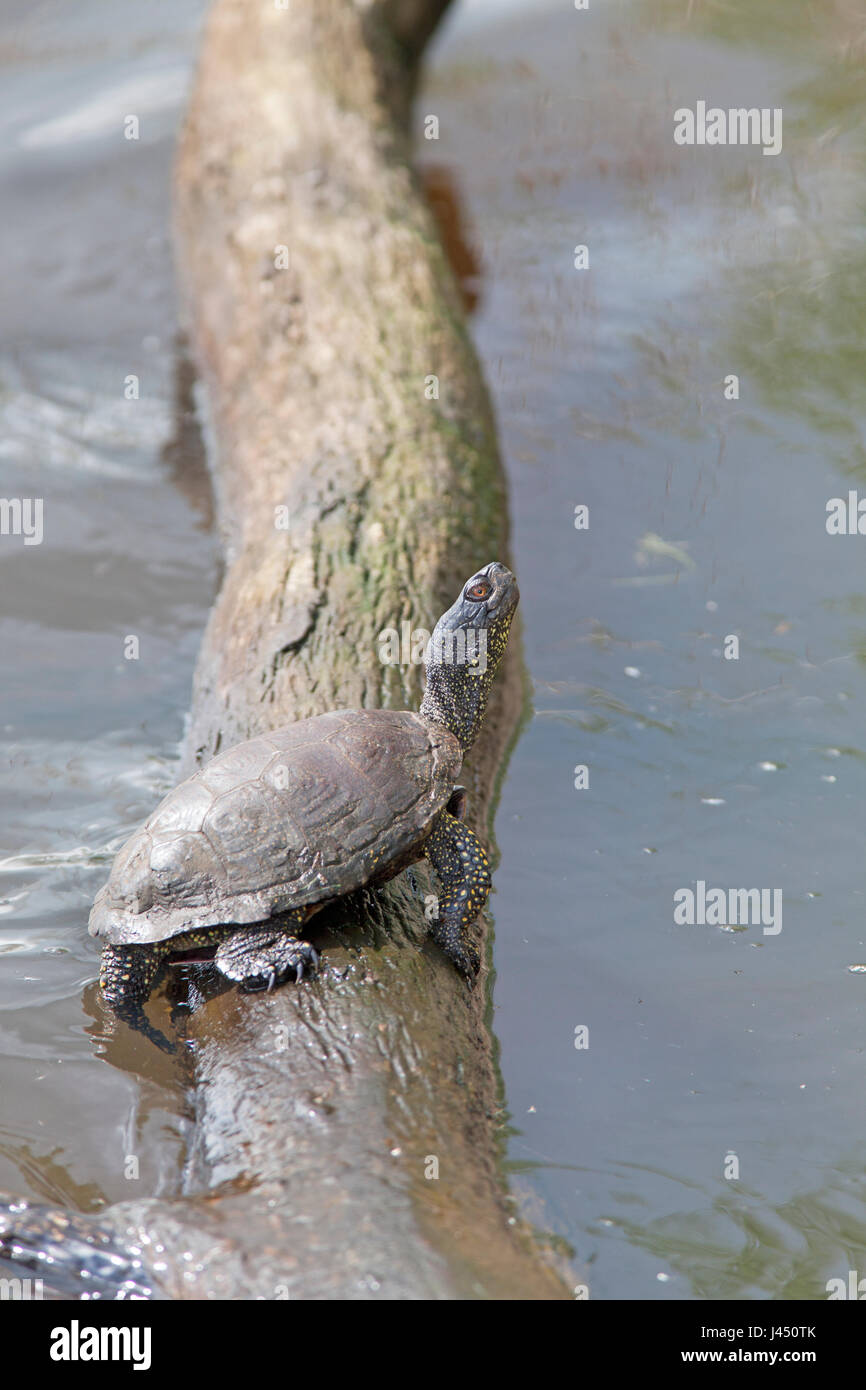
(466, 959)
(261, 960)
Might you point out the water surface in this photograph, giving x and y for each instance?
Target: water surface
(706, 521)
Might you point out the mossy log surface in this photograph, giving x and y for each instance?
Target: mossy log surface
(321, 1106)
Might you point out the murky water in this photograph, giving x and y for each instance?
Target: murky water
(706, 520)
(89, 737)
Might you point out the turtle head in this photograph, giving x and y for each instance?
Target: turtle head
(467, 645)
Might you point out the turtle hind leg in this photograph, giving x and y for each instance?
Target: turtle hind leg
(460, 861)
(263, 957)
(127, 975)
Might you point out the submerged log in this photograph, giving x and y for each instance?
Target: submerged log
(353, 492)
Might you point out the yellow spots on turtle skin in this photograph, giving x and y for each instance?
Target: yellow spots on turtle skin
(456, 693)
(128, 973)
(459, 859)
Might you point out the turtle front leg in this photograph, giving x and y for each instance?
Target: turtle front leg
(460, 861)
(263, 957)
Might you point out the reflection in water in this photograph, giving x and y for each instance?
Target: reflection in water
(734, 1244)
(184, 453)
(441, 189)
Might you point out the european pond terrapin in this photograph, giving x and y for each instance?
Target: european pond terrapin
(280, 825)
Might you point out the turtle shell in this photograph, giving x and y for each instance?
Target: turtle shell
(293, 818)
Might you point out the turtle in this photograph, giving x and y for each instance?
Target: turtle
(241, 854)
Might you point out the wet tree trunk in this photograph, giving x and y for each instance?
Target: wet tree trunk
(352, 495)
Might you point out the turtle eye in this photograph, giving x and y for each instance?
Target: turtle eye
(482, 589)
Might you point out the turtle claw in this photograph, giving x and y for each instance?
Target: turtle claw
(464, 957)
(468, 962)
(262, 960)
(309, 958)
